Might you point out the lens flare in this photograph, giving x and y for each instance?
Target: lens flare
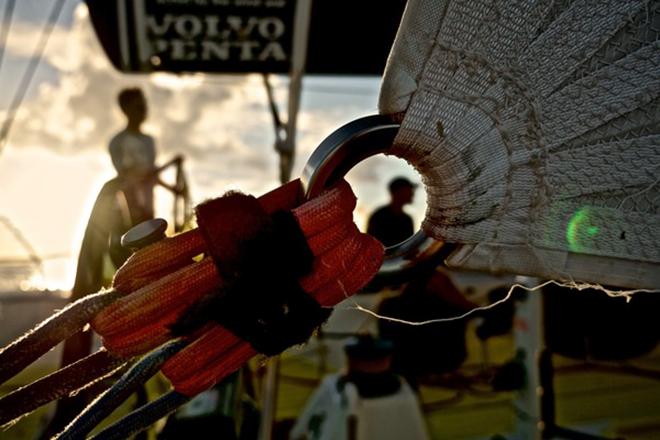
(580, 229)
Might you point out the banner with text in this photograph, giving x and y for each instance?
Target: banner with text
(241, 36)
(196, 35)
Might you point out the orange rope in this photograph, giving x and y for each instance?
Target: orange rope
(163, 282)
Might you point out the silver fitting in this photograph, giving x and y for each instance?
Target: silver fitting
(341, 151)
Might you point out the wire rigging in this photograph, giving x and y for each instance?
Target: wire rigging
(6, 25)
(31, 69)
(32, 253)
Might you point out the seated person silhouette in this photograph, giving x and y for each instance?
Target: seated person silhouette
(368, 401)
(429, 349)
(390, 224)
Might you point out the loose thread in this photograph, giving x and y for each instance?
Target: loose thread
(571, 284)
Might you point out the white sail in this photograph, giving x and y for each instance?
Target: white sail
(536, 128)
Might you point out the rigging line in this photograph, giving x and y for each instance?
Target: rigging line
(32, 253)
(6, 25)
(31, 69)
(272, 105)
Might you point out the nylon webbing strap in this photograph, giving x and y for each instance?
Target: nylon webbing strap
(227, 224)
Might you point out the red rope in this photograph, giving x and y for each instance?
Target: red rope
(161, 281)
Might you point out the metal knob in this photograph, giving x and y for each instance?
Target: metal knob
(144, 234)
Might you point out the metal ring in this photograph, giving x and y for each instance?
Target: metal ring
(341, 151)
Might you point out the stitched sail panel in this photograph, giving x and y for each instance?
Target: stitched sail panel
(536, 127)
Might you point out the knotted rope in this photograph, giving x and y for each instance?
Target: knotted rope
(162, 292)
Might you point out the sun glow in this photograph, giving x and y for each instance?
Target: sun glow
(56, 159)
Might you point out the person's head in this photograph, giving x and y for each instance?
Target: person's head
(402, 191)
(133, 105)
(367, 354)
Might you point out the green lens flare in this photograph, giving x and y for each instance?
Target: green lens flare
(579, 228)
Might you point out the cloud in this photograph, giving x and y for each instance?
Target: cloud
(77, 109)
(221, 123)
(222, 118)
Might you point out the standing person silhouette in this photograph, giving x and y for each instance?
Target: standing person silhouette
(432, 349)
(390, 224)
(122, 202)
(133, 154)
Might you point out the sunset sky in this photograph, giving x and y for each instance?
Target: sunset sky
(56, 157)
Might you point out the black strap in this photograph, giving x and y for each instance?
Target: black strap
(261, 300)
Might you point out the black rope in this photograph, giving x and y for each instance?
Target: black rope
(140, 419)
(107, 402)
(6, 25)
(272, 105)
(31, 69)
(282, 146)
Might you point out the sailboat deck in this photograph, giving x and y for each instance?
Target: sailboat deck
(607, 403)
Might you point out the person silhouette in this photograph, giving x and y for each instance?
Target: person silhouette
(390, 224)
(133, 155)
(432, 349)
(123, 201)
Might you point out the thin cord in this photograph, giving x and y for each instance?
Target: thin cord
(453, 318)
(6, 25)
(30, 71)
(272, 105)
(572, 284)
